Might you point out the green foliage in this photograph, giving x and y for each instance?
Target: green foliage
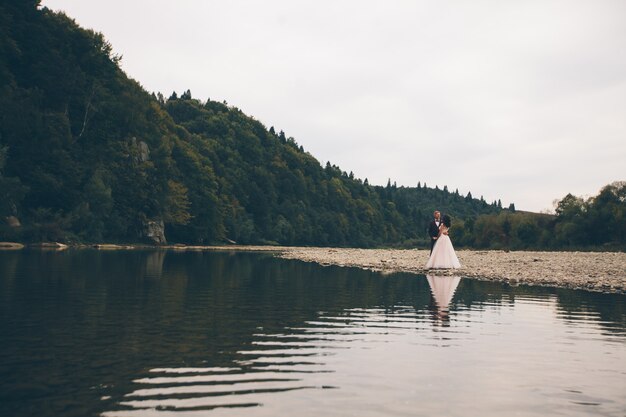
(272, 191)
(505, 230)
(98, 155)
(176, 204)
(86, 154)
(12, 191)
(598, 222)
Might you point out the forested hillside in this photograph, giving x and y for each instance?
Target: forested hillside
(87, 155)
(270, 189)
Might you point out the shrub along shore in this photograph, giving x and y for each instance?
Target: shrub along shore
(592, 271)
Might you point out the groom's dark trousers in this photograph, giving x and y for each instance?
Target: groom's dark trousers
(433, 231)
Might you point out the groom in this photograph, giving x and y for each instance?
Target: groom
(433, 229)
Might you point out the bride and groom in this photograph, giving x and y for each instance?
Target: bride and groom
(442, 255)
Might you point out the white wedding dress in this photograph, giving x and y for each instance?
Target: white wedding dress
(443, 256)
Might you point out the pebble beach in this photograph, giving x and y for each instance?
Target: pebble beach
(594, 271)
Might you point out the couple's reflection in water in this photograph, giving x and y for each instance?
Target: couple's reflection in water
(442, 288)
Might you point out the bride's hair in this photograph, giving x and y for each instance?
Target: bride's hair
(447, 221)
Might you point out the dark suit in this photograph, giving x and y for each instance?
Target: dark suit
(433, 232)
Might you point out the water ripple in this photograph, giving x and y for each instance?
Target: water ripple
(156, 334)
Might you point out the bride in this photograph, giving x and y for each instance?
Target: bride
(443, 255)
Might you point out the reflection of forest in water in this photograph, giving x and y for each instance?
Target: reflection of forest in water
(222, 283)
(187, 308)
(220, 280)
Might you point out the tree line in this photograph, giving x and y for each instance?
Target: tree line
(87, 155)
(597, 222)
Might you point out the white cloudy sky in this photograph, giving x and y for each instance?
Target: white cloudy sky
(519, 100)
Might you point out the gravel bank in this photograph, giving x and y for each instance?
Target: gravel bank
(594, 271)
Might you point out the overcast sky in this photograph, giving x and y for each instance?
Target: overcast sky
(522, 101)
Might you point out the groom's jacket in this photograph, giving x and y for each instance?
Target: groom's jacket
(433, 229)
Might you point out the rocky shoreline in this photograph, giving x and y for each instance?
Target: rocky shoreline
(592, 271)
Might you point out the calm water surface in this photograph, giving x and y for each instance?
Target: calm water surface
(160, 333)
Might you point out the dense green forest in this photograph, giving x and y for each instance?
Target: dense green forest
(598, 222)
(87, 155)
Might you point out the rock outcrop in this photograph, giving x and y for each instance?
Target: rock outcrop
(142, 149)
(13, 221)
(154, 231)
